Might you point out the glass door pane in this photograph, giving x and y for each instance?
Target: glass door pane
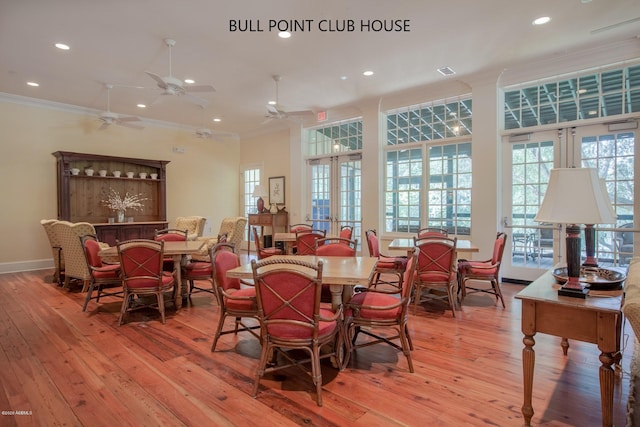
(350, 179)
(533, 246)
(320, 201)
(612, 153)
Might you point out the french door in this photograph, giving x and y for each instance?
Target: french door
(335, 194)
(536, 247)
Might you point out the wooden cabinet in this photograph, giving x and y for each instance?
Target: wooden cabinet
(112, 233)
(81, 197)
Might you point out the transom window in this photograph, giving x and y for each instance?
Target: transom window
(336, 138)
(427, 122)
(589, 96)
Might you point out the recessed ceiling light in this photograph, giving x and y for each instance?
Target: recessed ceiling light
(217, 120)
(272, 102)
(541, 21)
(343, 77)
(284, 34)
(189, 81)
(141, 106)
(62, 46)
(368, 73)
(34, 84)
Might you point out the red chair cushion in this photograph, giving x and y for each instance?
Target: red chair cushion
(378, 300)
(198, 268)
(472, 267)
(436, 276)
(167, 278)
(392, 263)
(244, 304)
(290, 331)
(107, 271)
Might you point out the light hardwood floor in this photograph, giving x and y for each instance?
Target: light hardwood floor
(71, 368)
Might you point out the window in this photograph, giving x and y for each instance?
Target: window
(589, 96)
(336, 138)
(427, 183)
(251, 178)
(427, 122)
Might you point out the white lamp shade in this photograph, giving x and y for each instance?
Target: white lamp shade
(259, 191)
(576, 196)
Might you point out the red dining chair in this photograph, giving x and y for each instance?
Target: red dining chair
(102, 275)
(346, 231)
(235, 300)
(436, 270)
(302, 228)
(170, 235)
(387, 265)
(306, 241)
(432, 232)
(195, 271)
(142, 275)
(372, 309)
(264, 252)
(483, 271)
(334, 246)
(288, 294)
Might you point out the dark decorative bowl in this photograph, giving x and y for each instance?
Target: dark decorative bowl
(595, 277)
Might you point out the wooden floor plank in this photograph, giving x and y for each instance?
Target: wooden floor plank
(75, 368)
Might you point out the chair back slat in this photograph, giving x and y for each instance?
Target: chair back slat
(306, 241)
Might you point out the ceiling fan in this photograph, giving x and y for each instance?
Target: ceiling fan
(277, 111)
(206, 133)
(108, 117)
(171, 85)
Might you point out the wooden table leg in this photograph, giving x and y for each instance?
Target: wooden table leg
(608, 343)
(528, 362)
(177, 268)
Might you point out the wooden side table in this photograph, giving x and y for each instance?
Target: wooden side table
(275, 221)
(594, 320)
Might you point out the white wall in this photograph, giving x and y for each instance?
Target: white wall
(202, 181)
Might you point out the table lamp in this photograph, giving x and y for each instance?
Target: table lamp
(575, 196)
(260, 191)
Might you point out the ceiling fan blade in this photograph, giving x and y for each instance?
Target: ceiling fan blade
(129, 119)
(272, 109)
(196, 100)
(161, 83)
(199, 88)
(300, 113)
(268, 119)
(129, 125)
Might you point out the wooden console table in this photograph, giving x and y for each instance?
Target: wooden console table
(273, 220)
(594, 320)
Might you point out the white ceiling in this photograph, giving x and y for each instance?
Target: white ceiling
(116, 41)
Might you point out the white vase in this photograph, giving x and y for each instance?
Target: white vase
(120, 216)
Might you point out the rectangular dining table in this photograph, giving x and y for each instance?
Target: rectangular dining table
(407, 244)
(176, 250)
(287, 238)
(337, 272)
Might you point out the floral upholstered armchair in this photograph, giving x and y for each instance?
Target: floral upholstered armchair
(233, 227)
(193, 224)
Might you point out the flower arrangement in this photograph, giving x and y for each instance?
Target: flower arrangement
(121, 204)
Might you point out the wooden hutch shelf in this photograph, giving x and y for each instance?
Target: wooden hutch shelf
(80, 197)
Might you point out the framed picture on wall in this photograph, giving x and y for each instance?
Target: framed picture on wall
(276, 190)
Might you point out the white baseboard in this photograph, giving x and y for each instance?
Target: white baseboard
(37, 264)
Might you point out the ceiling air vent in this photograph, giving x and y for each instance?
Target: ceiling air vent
(446, 71)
